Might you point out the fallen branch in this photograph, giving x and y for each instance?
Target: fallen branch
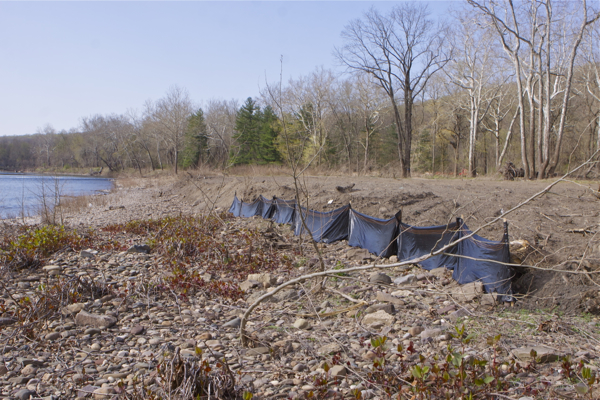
(583, 231)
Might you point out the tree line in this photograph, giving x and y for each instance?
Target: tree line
(494, 81)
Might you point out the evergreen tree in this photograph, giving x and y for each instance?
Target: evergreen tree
(196, 141)
(255, 135)
(269, 132)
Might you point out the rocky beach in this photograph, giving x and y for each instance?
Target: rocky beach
(152, 309)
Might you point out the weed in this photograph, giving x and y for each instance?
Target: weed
(192, 247)
(34, 244)
(180, 378)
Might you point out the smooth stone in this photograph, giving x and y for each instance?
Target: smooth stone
(104, 393)
(52, 336)
(402, 293)
(98, 321)
(467, 292)
(28, 370)
(405, 280)
(329, 349)
(430, 333)
(234, 323)
(24, 394)
(388, 308)
(380, 318)
(544, 354)
(137, 330)
(337, 371)
(415, 330)
(301, 323)
(257, 351)
(73, 309)
(378, 277)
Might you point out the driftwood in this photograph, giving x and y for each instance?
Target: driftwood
(345, 189)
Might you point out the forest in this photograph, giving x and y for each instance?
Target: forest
(494, 82)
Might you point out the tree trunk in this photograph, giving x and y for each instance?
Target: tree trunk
(521, 116)
(408, 106)
(473, 137)
(507, 140)
(398, 121)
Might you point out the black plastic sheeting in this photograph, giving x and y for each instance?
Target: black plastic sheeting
(326, 227)
(284, 211)
(251, 209)
(416, 241)
(480, 259)
(374, 234)
(472, 259)
(236, 206)
(268, 207)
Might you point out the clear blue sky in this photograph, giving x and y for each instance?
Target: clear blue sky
(61, 61)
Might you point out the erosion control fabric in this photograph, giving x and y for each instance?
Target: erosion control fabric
(471, 259)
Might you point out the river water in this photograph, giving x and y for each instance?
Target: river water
(21, 194)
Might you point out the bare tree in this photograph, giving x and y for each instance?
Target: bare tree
(46, 143)
(472, 70)
(311, 97)
(502, 106)
(220, 118)
(171, 114)
(592, 78)
(548, 34)
(401, 51)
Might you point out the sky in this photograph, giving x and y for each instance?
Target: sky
(62, 61)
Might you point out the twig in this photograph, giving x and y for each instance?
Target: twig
(344, 295)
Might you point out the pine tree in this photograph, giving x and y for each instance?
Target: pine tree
(196, 141)
(269, 132)
(256, 132)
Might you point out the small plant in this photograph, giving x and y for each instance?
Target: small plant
(34, 244)
(191, 378)
(339, 265)
(185, 243)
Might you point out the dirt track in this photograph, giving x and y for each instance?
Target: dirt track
(548, 224)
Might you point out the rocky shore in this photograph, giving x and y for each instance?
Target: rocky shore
(390, 333)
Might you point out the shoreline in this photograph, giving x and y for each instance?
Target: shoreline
(56, 174)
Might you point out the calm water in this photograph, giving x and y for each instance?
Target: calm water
(22, 193)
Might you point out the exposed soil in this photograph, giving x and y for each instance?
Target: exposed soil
(548, 224)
